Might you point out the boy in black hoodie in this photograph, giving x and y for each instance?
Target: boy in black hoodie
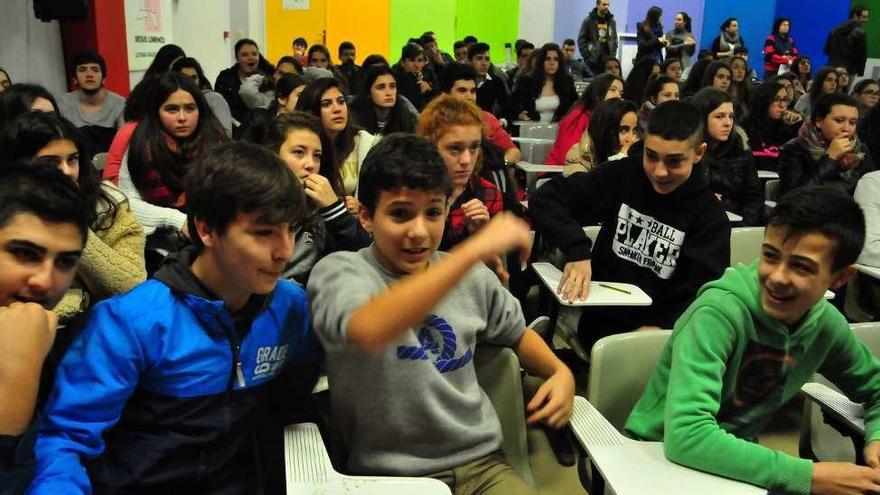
(662, 227)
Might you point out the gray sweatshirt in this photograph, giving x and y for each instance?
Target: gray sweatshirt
(109, 116)
(414, 408)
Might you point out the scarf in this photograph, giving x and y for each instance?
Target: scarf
(811, 138)
(165, 188)
(728, 44)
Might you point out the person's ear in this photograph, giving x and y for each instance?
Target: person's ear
(700, 152)
(206, 234)
(842, 277)
(365, 217)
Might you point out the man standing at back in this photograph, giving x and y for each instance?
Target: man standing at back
(847, 45)
(95, 110)
(598, 36)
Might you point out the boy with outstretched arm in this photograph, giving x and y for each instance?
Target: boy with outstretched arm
(166, 386)
(399, 323)
(749, 342)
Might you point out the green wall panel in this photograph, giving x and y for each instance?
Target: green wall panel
(494, 21)
(872, 28)
(411, 18)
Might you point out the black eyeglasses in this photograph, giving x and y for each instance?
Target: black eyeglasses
(782, 101)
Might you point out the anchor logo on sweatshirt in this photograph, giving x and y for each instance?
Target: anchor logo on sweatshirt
(442, 351)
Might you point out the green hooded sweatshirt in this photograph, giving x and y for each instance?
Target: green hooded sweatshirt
(729, 366)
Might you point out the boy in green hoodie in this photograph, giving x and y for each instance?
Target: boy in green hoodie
(749, 342)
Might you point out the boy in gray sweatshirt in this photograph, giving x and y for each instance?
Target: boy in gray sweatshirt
(399, 323)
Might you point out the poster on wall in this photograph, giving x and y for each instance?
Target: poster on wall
(147, 28)
(296, 4)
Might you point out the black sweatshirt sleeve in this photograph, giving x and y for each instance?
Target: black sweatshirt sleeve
(561, 207)
(343, 228)
(753, 196)
(796, 169)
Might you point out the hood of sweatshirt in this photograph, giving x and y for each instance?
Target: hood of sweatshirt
(742, 282)
(595, 14)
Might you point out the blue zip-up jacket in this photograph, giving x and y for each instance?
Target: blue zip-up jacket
(161, 393)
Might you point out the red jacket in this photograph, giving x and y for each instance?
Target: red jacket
(571, 128)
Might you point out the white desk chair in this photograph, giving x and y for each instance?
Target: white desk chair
(615, 389)
(819, 440)
(745, 244)
(540, 131)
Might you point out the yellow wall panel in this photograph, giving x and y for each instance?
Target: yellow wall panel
(366, 23)
(282, 26)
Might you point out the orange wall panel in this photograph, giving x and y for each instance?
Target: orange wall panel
(366, 23)
(282, 26)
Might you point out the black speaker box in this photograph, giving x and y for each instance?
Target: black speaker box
(61, 10)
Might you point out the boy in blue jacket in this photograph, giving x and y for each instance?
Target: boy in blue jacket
(163, 390)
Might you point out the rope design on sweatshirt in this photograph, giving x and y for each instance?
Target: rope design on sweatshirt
(444, 352)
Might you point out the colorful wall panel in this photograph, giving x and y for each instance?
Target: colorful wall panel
(282, 26)
(755, 21)
(367, 26)
(811, 21)
(410, 19)
(493, 21)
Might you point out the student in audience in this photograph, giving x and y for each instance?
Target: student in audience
(324, 99)
(376, 107)
(136, 107)
(258, 90)
(779, 48)
(787, 80)
(178, 128)
(524, 51)
(319, 56)
(164, 59)
(574, 65)
(94, 109)
(217, 300)
(287, 91)
(842, 80)
(347, 66)
(681, 44)
(771, 329)
(546, 92)
(192, 69)
(299, 139)
(673, 68)
(5, 80)
(827, 149)
(650, 37)
(44, 222)
(460, 82)
(826, 82)
(660, 89)
(369, 305)
(803, 69)
(740, 85)
(247, 63)
(694, 81)
(299, 47)
(575, 123)
(113, 259)
(611, 65)
(638, 78)
(663, 229)
(22, 98)
(492, 93)
(410, 76)
(455, 126)
(719, 75)
(437, 58)
(847, 44)
(725, 43)
(867, 93)
(728, 164)
(597, 37)
(613, 130)
(767, 126)
(461, 52)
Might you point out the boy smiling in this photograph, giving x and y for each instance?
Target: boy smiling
(399, 323)
(749, 342)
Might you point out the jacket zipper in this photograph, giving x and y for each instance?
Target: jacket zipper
(237, 373)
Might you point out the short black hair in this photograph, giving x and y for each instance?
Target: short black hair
(727, 22)
(470, 39)
(242, 42)
(477, 48)
(42, 190)
(826, 210)
(410, 51)
(826, 102)
(524, 45)
(458, 44)
(857, 10)
(345, 45)
(676, 121)
(456, 72)
(300, 41)
(568, 41)
(18, 99)
(778, 22)
(402, 160)
(241, 177)
(90, 57)
(656, 83)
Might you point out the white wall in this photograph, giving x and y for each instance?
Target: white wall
(536, 19)
(31, 49)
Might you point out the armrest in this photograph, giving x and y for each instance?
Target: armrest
(849, 415)
(590, 427)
